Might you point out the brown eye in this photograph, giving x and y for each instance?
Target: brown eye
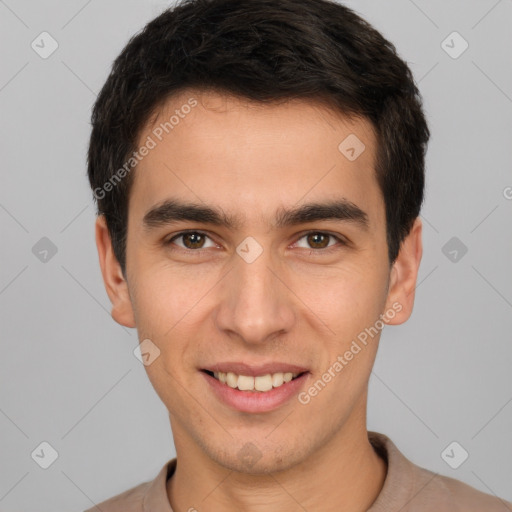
(190, 240)
(318, 240)
(193, 240)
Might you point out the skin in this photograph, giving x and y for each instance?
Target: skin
(289, 305)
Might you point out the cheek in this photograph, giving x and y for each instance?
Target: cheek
(156, 310)
(163, 295)
(169, 304)
(161, 308)
(347, 298)
(349, 303)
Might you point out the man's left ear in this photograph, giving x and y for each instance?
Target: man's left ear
(403, 277)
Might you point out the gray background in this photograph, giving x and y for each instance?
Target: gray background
(68, 375)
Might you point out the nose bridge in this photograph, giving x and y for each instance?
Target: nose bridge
(255, 303)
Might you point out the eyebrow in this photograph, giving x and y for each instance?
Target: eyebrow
(172, 210)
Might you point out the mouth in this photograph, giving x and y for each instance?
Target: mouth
(255, 390)
(254, 383)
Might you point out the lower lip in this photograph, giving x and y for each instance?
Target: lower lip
(256, 401)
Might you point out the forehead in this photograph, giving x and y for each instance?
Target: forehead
(250, 158)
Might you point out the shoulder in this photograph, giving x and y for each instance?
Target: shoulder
(449, 494)
(127, 501)
(148, 496)
(412, 488)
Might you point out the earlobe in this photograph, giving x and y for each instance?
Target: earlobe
(113, 279)
(403, 277)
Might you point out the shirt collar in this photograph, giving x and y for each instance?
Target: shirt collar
(397, 489)
(399, 482)
(155, 498)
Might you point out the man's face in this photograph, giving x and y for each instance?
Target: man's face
(263, 290)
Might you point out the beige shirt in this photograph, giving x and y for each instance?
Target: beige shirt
(407, 488)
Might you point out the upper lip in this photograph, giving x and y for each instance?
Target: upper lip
(255, 370)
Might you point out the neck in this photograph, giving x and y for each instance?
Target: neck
(344, 474)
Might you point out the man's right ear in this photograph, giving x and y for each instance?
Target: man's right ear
(115, 283)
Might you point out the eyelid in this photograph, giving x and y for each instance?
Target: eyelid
(186, 232)
(341, 240)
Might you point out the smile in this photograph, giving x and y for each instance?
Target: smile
(260, 383)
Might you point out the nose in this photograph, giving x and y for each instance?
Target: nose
(255, 304)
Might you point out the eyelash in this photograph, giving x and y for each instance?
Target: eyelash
(327, 250)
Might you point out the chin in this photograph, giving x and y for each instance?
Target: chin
(250, 459)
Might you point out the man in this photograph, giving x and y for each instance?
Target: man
(259, 172)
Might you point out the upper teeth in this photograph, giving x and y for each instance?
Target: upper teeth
(260, 383)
